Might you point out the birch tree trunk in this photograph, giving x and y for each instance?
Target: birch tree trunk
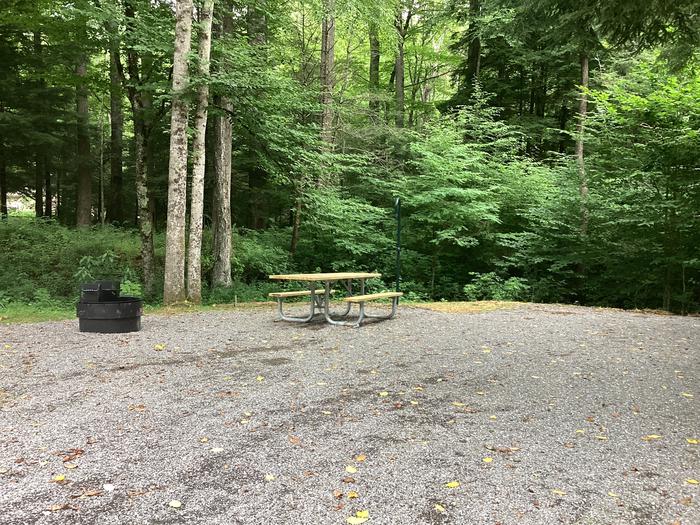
(84, 198)
(174, 285)
(194, 256)
(38, 185)
(580, 127)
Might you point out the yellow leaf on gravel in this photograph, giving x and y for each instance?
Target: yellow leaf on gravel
(158, 347)
(558, 492)
(580, 431)
(602, 438)
(487, 460)
(360, 458)
(356, 520)
(613, 495)
(350, 469)
(692, 481)
(686, 394)
(418, 388)
(59, 477)
(493, 418)
(452, 484)
(457, 404)
(353, 495)
(260, 378)
(383, 394)
(269, 477)
(480, 393)
(326, 412)
(362, 514)
(175, 504)
(439, 508)
(414, 402)
(203, 440)
(651, 437)
(692, 441)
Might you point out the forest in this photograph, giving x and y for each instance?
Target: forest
(542, 150)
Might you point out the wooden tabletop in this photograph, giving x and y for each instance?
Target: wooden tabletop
(324, 276)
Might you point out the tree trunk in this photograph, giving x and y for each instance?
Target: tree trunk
(374, 56)
(48, 199)
(296, 225)
(474, 49)
(399, 72)
(327, 66)
(582, 112)
(221, 212)
(3, 183)
(84, 198)
(174, 285)
(257, 23)
(194, 258)
(115, 206)
(38, 185)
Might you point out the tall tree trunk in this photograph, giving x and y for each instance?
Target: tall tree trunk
(48, 200)
(194, 258)
(115, 206)
(296, 225)
(84, 198)
(174, 285)
(3, 182)
(327, 66)
(374, 56)
(474, 49)
(221, 205)
(580, 127)
(38, 185)
(399, 73)
(221, 211)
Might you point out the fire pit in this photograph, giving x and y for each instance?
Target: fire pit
(101, 309)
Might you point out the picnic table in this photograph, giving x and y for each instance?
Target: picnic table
(319, 298)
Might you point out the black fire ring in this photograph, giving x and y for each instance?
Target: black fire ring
(102, 310)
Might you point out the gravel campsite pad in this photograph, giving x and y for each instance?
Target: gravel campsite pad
(530, 414)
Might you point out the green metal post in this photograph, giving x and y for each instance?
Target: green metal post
(397, 207)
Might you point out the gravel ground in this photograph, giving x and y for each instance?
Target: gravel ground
(542, 414)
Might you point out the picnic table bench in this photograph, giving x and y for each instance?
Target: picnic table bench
(319, 299)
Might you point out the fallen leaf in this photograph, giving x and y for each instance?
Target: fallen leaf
(651, 437)
(613, 495)
(326, 412)
(439, 508)
(337, 494)
(602, 438)
(58, 478)
(217, 450)
(175, 504)
(356, 520)
(350, 469)
(71, 454)
(692, 481)
(457, 404)
(692, 441)
(686, 394)
(383, 394)
(687, 501)
(159, 347)
(493, 417)
(137, 408)
(204, 439)
(487, 460)
(414, 402)
(70, 465)
(579, 431)
(480, 393)
(62, 506)
(360, 458)
(260, 378)
(569, 445)
(452, 484)
(348, 479)
(294, 440)
(558, 492)
(362, 514)
(353, 495)
(270, 477)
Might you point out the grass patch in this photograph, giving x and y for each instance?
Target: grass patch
(26, 313)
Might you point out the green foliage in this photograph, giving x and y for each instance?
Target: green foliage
(490, 286)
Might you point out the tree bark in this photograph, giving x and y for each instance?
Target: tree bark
(174, 285)
(38, 185)
(327, 66)
(84, 197)
(580, 127)
(374, 56)
(221, 205)
(221, 212)
(115, 206)
(194, 258)
(3, 183)
(474, 48)
(399, 72)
